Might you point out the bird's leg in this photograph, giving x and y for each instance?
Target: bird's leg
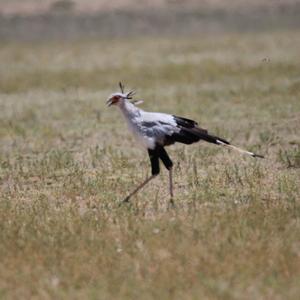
(171, 187)
(163, 155)
(138, 188)
(171, 183)
(155, 171)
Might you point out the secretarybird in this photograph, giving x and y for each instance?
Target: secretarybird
(155, 130)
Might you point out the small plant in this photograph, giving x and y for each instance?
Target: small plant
(291, 158)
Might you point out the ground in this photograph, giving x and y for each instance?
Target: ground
(66, 162)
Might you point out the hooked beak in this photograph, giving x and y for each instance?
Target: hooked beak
(109, 102)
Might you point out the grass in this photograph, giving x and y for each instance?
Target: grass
(66, 161)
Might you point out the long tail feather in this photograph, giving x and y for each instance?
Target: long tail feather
(238, 149)
(203, 134)
(191, 135)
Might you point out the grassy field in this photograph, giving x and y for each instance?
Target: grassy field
(66, 161)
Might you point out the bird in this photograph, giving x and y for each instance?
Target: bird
(155, 130)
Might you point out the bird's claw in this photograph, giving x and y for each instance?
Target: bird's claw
(124, 201)
(172, 203)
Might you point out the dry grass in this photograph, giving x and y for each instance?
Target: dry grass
(66, 161)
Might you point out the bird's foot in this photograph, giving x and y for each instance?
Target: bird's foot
(172, 203)
(124, 201)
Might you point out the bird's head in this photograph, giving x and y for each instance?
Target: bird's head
(118, 98)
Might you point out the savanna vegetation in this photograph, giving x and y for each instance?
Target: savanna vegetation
(66, 161)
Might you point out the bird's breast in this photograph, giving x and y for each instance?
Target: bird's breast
(140, 135)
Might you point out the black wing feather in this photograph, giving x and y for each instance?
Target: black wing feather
(188, 123)
(191, 133)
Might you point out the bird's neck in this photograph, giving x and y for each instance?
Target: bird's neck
(129, 110)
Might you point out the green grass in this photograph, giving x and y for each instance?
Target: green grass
(66, 161)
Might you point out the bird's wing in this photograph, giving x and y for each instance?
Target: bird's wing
(184, 123)
(158, 126)
(167, 129)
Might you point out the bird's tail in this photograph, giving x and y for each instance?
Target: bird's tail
(204, 135)
(195, 134)
(228, 145)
